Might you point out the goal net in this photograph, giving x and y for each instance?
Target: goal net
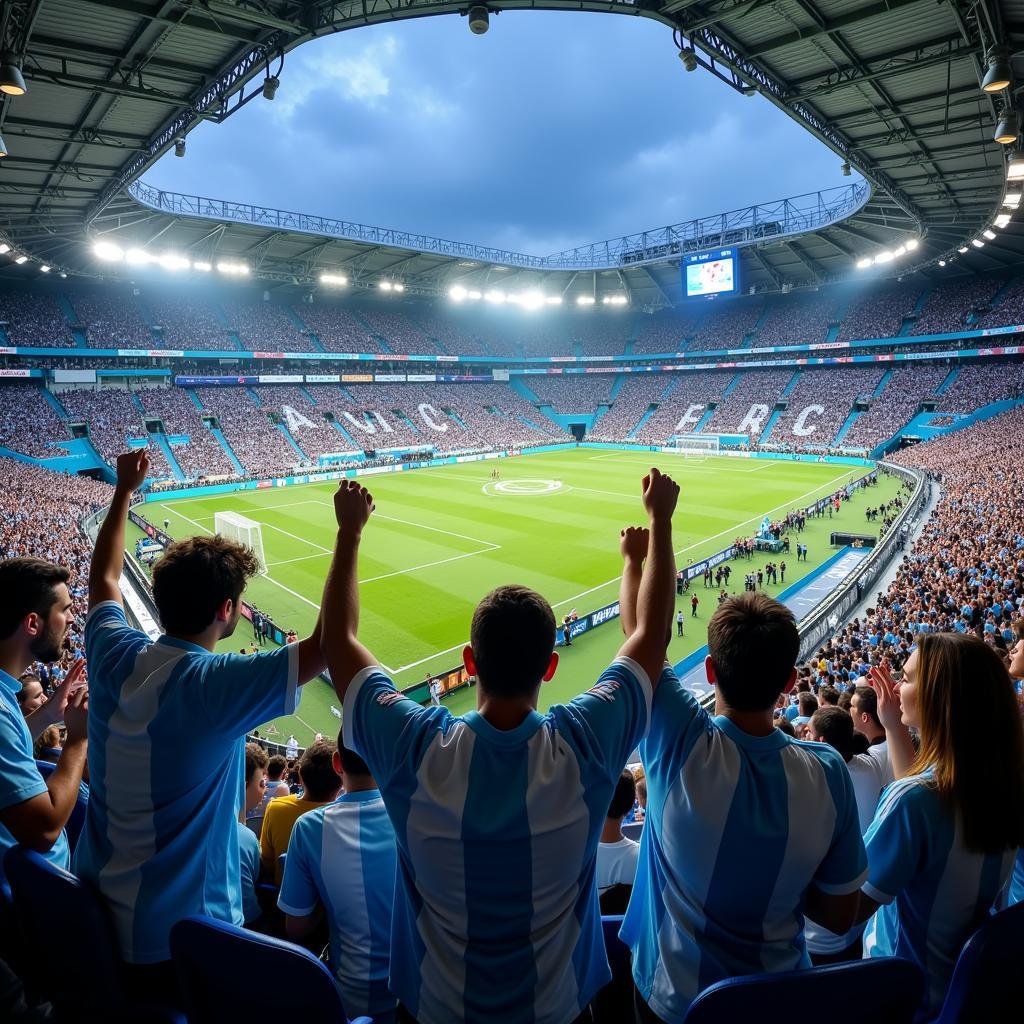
(245, 531)
(696, 446)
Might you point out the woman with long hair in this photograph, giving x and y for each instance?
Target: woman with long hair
(946, 832)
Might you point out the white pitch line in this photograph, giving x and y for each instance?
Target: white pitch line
(428, 565)
(434, 529)
(312, 544)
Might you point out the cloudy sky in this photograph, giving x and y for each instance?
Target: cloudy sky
(550, 131)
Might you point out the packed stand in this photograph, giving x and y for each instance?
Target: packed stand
(112, 319)
(188, 324)
(663, 332)
(736, 413)
(337, 329)
(257, 444)
(978, 384)
(727, 323)
(265, 327)
(112, 418)
(451, 336)
(829, 395)
(797, 319)
(635, 397)
(574, 393)
(948, 306)
(400, 333)
(898, 403)
(601, 334)
(203, 455)
(28, 421)
(34, 319)
(683, 405)
(878, 311)
(1009, 310)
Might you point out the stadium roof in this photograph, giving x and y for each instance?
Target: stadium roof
(892, 86)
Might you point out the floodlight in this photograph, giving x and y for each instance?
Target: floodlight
(942, 263)
(495, 296)
(901, 251)
(333, 279)
(606, 300)
(44, 269)
(384, 286)
(912, 244)
(458, 293)
(179, 147)
(227, 267)
(3, 148)
(999, 74)
(1015, 167)
(21, 259)
(884, 257)
(270, 84)
(989, 234)
(1013, 195)
(864, 263)
(585, 300)
(1002, 220)
(962, 249)
(12, 81)
(689, 59)
(977, 243)
(202, 265)
(479, 20)
(137, 257)
(474, 294)
(554, 300)
(1007, 129)
(173, 261)
(4, 248)
(398, 286)
(108, 251)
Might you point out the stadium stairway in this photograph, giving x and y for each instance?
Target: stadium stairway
(845, 428)
(137, 402)
(223, 442)
(620, 379)
(344, 433)
(669, 387)
(732, 385)
(651, 410)
(770, 425)
(254, 395)
(195, 398)
(287, 434)
(55, 402)
(160, 439)
(703, 421)
(788, 389)
(877, 393)
(408, 422)
(950, 377)
(518, 385)
(305, 391)
(72, 318)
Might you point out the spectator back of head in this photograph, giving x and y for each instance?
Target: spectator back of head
(320, 782)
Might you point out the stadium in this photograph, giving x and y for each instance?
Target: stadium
(537, 807)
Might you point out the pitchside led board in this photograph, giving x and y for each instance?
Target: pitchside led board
(715, 273)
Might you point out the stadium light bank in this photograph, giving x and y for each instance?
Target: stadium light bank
(531, 300)
(888, 255)
(172, 262)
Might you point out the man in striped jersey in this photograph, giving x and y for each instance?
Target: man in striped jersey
(497, 814)
(747, 829)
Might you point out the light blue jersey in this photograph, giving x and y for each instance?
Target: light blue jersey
(496, 913)
(738, 827)
(935, 892)
(1016, 892)
(19, 777)
(343, 855)
(167, 725)
(249, 861)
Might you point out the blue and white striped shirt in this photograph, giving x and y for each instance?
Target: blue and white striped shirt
(933, 890)
(343, 856)
(496, 912)
(167, 725)
(738, 827)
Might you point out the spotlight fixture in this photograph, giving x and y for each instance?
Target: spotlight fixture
(962, 249)
(1007, 129)
(4, 248)
(864, 262)
(912, 244)
(689, 59)
(203, 266)
(1015, 166)
(338, 279)
(385, 286)
(179, 147)
(989, 234)
(585, 300)
(21, 259)
(999, 74)
(3, 148)
(270, 84)
(845, 169)
(479, 20)
(398, 286)
(44, 269)
(12, 81)
(942, 263)
(977, 243)
(1002, 220)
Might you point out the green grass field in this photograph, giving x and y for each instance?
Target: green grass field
(441, 538)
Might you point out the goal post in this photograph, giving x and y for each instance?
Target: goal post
(696, 446)
(245, 531)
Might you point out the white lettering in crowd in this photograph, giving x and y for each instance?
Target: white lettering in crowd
(364, 424)
(691, 416)
(800, 428)
(385, 427)
(295, 419)
(427, 413)
(754, 420)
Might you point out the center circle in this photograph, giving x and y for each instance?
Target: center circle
(525, 486)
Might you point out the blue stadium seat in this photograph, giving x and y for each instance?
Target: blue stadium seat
(618, 952)
(217, 966)
(985, 985)
(885, 990)
(84, 985)
(614, 1003)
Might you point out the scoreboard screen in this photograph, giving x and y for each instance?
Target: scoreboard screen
(711, 273)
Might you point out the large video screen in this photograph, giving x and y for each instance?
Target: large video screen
(711, 273)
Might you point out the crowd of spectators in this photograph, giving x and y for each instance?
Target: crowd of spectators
(947, 308)
(450, 334)
(400, 333)
(34, 319)
(801, 318)
(665, 331)
(898, 403)
(727, 323)
(337, 329)
(829, 394)
(878, 311)
(978, 384)
(112, 318)
(637, 394)
(28, 421)
(188, 323)
(265, 326)
(576, 393)
(682, 405)
(203, 454)
(736, 413)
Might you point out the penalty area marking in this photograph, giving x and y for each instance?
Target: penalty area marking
(527, 486)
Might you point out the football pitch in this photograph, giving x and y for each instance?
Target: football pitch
(443, 537)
